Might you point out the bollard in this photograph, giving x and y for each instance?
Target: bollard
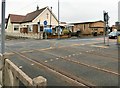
(39, 82)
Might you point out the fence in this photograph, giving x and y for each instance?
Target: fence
(13, 75)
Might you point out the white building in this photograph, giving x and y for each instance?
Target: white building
(33, 22)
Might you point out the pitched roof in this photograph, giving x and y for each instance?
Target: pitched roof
(16, 18)
(31, 16)
(28, 18)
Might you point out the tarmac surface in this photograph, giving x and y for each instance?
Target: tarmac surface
(87, 61)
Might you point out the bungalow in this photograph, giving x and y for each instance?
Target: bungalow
(32, 23)
(88, 28)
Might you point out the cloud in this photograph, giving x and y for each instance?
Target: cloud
(70, 10)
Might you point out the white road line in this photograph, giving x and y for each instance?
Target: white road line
(69, 56)
(73, 54)
(100, 46)
(46, 61)
(32, 64)
(57, 58)
(20, 67)
(51, 59)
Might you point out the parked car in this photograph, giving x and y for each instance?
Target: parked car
(113, 35)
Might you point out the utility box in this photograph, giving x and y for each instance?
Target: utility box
(118, 40)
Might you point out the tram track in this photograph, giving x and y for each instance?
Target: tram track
(58, 71)
(68, 76)
(81, 63)
(89, 52)
(93, 52)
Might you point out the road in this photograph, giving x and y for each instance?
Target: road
(87, 61)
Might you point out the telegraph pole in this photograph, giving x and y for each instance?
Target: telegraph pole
(3, 39)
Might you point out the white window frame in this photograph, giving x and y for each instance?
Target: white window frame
(31, 28)
(17, 27)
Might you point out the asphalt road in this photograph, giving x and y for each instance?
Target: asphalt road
(88, 61)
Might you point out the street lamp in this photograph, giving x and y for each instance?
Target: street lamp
(58, 20)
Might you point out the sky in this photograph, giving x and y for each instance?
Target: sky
(71, 11)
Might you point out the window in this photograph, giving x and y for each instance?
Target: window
(84, 26)
(30, 28)
(16, 28)
(95, 29)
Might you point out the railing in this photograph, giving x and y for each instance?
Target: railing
(13, 75)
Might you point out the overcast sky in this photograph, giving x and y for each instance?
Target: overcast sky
(70, 10)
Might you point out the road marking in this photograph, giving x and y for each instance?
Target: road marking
(75, 44)
(20, 67)
(82, 44)
(32, 64)
(65, 56)
(46, 61)
(100, 46)
(69, 56)
(80, 53)
(6, 53)
(47, 48)
(29, 51)
(57, 58)
(73, 54)
(51, 59)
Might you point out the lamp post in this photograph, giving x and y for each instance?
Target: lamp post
(50, 17)
(58, 20)
(3, 39)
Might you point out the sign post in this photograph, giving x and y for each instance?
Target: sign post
(45, 25)
(106, 19)
(104, 25)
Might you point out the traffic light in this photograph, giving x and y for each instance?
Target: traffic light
(106, 17)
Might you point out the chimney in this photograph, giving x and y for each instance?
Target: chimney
(37, 7)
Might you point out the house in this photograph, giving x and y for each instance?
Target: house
(113, 28)
(117, 25)
(88, 28)
(32, 23)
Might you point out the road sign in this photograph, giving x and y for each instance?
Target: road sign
(45, 23)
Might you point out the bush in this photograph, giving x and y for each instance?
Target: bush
(65, 32)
